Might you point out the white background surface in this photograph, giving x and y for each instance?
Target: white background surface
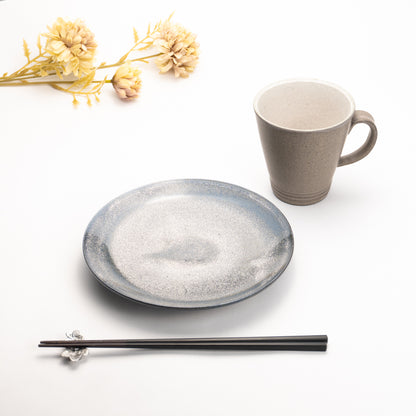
(352, 275)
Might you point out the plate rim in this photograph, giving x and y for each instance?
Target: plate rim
(215, 302)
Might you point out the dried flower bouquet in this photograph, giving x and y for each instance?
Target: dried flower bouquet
(65, 59)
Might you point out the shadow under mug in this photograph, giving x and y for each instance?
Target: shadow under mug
(303, 125)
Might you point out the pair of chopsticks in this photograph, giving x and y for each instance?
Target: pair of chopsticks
(281, 343)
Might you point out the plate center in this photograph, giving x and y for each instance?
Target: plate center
(191, 250)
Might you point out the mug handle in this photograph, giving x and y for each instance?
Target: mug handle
(361, 117)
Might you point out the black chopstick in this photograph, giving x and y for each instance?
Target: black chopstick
(248, 346)
(314, 343)
(295, 338)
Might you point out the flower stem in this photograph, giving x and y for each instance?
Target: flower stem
(23, 67)
(4, 81)
(23, 72)
(142, 59)
(145, 58)
(20, 84)
(22, 77)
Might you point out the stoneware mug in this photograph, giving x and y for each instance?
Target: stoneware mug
(303, 125)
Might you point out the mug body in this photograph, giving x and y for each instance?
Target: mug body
(303, 125)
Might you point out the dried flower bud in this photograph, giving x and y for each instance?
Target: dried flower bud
(126, 81)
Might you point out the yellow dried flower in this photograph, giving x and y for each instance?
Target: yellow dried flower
(178, 48)
(126, 81)
(70, 48)
(72, 45)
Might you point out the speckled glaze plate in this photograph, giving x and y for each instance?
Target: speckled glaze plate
(188, 244)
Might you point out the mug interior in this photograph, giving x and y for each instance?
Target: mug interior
(304, 105)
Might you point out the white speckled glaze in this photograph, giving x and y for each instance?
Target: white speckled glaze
(188, 244)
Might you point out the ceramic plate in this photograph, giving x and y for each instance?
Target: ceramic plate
(188, 244)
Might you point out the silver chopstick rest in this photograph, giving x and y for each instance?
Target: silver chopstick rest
(74, 354)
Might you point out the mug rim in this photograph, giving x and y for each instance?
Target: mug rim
(300, 80)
